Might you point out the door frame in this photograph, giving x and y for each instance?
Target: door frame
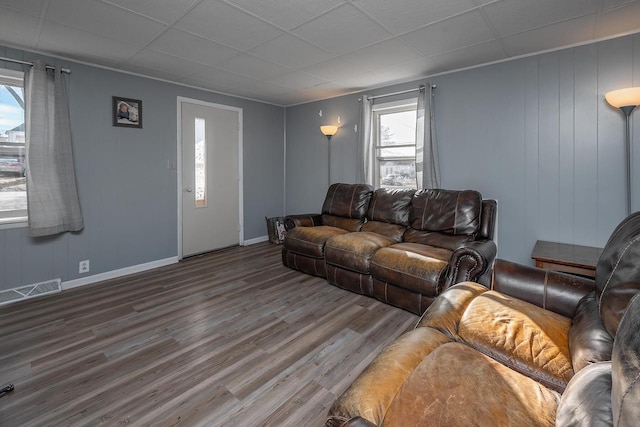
(181, 100)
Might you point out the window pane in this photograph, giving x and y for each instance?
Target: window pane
(398, 128)
(201, 163)
(13, 184)
(397, 152)
(397, 173)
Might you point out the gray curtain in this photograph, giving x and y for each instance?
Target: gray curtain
(52, 196)
(365, 154)
(427, 163)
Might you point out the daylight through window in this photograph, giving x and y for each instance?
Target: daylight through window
(13, 183)
(395, 140)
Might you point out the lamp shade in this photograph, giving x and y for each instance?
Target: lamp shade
(624, 97)
(328, 130)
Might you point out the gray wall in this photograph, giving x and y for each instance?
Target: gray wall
(127, 194)
(534, 133)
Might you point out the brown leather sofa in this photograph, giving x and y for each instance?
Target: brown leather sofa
(537, 349)
(399, 246)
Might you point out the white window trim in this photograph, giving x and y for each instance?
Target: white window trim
(21, 220)
(386, 108)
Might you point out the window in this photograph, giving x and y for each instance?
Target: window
(394, 136)
(13, 183)
(201, 163)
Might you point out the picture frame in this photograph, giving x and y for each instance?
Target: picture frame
(127, 112)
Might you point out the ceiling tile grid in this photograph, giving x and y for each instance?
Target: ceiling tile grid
(292, 51)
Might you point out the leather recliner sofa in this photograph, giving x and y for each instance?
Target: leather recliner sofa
(536, 349)
(400, 246)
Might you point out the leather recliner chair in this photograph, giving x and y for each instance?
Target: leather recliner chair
(538, 348)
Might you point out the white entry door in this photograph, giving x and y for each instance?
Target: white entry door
(210, 178)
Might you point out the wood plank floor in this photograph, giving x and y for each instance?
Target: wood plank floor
(231, 338)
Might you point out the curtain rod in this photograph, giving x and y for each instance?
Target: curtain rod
(48, 67)
(419, 88)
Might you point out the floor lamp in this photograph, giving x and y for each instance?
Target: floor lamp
(626, 100)
(329, 131)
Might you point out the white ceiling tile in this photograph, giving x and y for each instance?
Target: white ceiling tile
(564, 33)
(161, 61)
(296, 80)
(336, 68)
(226, 24)
(91, 16)
(186, 45)
(287, 14)
(253, 67)
(163, 10)
(158, 74)
(625, 19)
(290, 52)
(18, 29)
(469, 56)
(400, 16)
(59, 39)
(31, 7)
(607, 4)
(385, 54)
(515, 16)
(342, 30)
(463, 30)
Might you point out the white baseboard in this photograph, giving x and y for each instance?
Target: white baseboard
(118, 273)
(256, 240)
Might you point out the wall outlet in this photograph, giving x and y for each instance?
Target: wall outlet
(84, 266)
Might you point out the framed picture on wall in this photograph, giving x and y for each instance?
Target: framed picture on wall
(127, 112)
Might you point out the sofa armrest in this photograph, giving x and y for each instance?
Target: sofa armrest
(303, 220)
(471, 263)
(551, 290)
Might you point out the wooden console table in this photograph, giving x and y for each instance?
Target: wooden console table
(567, 258)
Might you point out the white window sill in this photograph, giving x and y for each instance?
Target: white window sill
(8, 223)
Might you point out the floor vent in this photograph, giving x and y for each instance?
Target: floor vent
(30, 291)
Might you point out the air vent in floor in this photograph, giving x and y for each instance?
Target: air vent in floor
(30, 291)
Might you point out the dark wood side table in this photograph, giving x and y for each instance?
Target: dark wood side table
(567, 258)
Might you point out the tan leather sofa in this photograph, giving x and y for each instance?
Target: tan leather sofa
(536, 349)
(399, 246)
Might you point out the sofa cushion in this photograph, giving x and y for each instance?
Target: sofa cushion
(391, 206)
(520, 335)
(440, 240)
(588, 339)
(370, 395)
(393, 231)
(587, 399)
(353, 251)
(446, 211)
(347, 224)
(418, 268)
(458, 386)
(310, 241)
(347, 200)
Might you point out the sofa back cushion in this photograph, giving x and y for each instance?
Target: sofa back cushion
(391, 206)
(446, 211)
(347, 200)
(444, 218)
(618, 262)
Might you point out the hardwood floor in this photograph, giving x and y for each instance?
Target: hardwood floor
(231, 338)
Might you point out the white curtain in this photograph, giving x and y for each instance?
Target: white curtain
(427, 164)
(52, 197)
(366, 157)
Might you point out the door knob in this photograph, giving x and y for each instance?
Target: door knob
(188, 190)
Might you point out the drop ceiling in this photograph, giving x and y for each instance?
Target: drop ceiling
(287, 52)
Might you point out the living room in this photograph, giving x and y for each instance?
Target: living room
(533, 132)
